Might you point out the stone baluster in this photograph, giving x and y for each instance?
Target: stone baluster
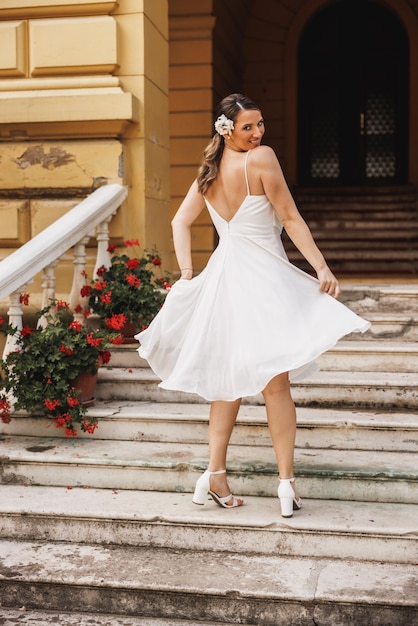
(78, 303)
(48, 289)
(15, 314)
(103, 256)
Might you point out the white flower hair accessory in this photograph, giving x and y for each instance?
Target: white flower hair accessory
(223, 125)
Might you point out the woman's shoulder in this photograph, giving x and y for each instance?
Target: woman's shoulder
(263, 154)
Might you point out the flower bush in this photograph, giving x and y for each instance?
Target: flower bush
(130, 289)
(41, 374)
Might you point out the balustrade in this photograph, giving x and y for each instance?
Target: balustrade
(43, 253)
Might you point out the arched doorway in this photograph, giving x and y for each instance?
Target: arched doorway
(353, 97)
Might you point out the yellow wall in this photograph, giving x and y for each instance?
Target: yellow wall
(191, 108)
(84, 102)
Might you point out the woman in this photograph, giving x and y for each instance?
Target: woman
(250, 321)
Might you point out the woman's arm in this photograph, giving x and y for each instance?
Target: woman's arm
(188, 211)
(278, 193)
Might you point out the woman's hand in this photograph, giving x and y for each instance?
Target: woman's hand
(328, 282)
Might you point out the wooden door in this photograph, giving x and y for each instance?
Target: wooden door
(353, 97)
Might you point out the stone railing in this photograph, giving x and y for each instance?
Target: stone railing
(89, 218)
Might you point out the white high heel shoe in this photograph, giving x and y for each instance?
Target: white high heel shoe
(202, 490)
(287, 497)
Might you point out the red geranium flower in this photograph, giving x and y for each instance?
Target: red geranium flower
(106, 298)
(51, 405)
(85, 291)
(105, 357)
(133, 280)
(117, 340)
(130, 243)
(116, 322)
(100, 285)
(65, 350)
(101, 270)
(132, 264)
(95, 342)
(89, 427)
(5, 410)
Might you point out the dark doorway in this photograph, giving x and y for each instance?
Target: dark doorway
(353, 97)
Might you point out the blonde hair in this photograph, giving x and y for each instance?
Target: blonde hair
(212, 154)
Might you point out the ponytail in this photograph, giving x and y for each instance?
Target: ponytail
(212, 155)
(208, 169)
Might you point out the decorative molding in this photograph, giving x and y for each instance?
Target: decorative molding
(193, 27)
(13, 52)
(14, 216)
(54, 8)
(62, 82)
(68, 113)
(79, 45)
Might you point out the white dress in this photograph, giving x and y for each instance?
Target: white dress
(248, 316)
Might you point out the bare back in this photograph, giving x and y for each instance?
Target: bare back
(229, 190)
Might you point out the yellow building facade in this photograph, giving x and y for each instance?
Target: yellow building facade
(94, 92)
(83, 103)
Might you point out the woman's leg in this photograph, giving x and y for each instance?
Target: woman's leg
(281, 417)
(222, 419)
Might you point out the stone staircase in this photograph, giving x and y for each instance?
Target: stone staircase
(101, 530)
(362, 231)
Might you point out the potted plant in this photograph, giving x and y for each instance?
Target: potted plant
(129, 293)
(43, 375)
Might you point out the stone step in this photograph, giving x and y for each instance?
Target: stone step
(234, 588)
(363, 212)
(383, 390)
(377, 227)
(362, 261)
(346, 267)
(389, 327)
(126, 355)
(347, 200)
(351, 353)
(344, 225)
(395, 194)
(383, 298)
(334, 252)
(188, 423)
(373, 356)
(154, 466)
(365, 244)
(386, 327)
(30, 617)
(322, 529)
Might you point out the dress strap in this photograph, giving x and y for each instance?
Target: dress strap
(245, 172)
